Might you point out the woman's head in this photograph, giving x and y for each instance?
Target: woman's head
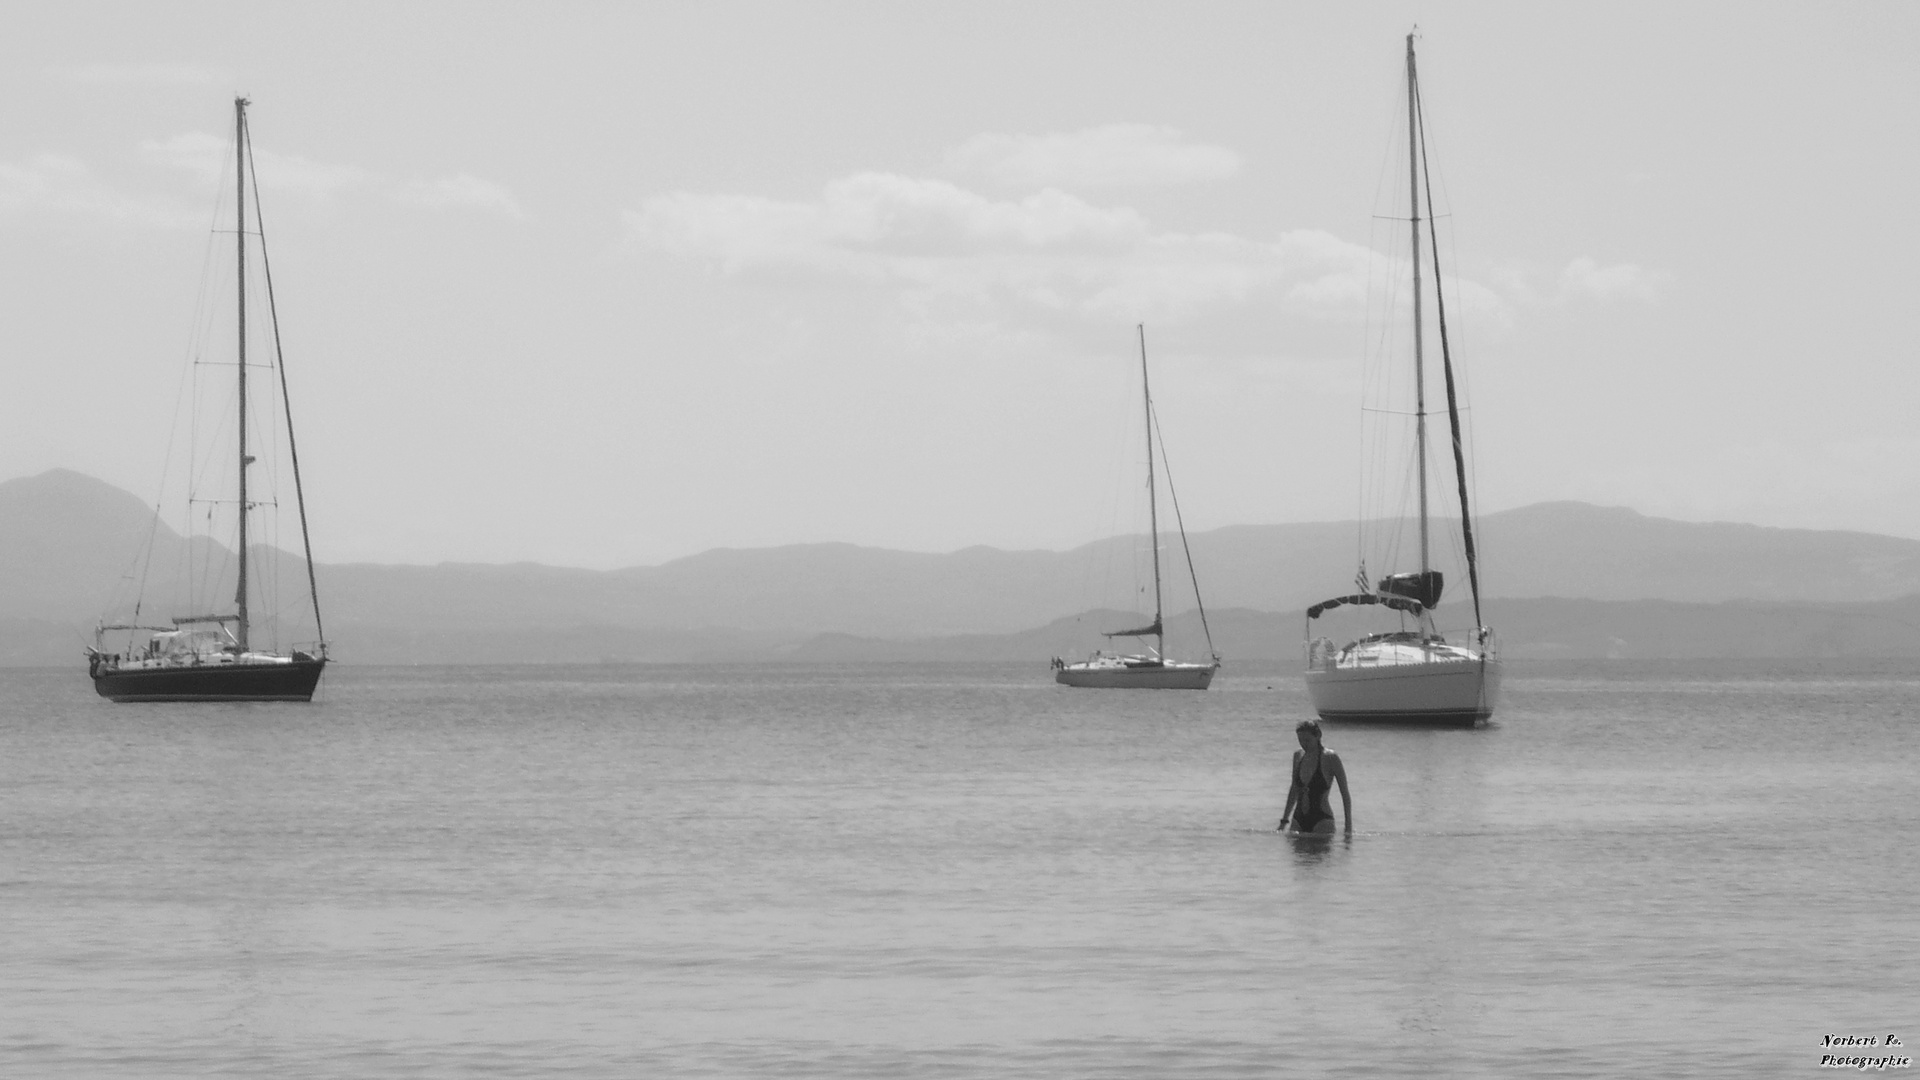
(1308, 732)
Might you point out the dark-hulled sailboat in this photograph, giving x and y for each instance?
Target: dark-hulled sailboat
(212, 657)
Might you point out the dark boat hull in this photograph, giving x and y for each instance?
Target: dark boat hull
(213, 682)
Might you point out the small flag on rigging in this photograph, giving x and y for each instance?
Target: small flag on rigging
(1360, 579)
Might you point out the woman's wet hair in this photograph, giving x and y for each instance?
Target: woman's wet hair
(1307, 725)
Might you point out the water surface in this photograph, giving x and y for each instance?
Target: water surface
(891, 870)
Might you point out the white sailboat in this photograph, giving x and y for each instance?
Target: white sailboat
(1413, 674)
(1150, 670)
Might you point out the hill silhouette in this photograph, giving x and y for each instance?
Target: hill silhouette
(1561, 579)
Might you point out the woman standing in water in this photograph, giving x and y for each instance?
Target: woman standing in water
(1314, 769)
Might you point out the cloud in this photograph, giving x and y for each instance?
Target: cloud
(52, 186)
(460, 192)
(1110, 155)
(937, 243)
(141, 75)
(209, 157)
(1583, 277)
(865, 219)
(1583, 281)
(1356, 277)
(59, 186)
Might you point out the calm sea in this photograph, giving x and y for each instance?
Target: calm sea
(890, 870)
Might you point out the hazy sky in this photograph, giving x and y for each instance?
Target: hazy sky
(609, 284)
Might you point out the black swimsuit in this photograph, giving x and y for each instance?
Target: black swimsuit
(1308, 813)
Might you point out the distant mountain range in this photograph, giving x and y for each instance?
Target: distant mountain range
(1562, 579)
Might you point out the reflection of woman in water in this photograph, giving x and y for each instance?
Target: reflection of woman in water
(1314, 769)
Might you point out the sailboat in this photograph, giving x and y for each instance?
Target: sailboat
(213, 657)
(1151, 670)
(1413, 674)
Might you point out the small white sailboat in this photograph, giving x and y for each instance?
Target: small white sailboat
(1413, 674)
(1150, 670)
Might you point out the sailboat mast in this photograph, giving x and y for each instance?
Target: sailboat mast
(1153, 510)
(286, 402)
(240, 254)
(1453, 398)
(1419, 362)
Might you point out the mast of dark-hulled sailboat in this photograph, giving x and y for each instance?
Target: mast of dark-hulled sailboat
(1419, 363)
(286, 402)
(1153, 509)
(240, 255)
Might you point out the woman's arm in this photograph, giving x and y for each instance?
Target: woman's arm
(1293, 789)
(1339, 771)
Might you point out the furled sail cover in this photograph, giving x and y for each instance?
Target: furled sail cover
(1398, 603)
(1424, 586)
(1145, 631)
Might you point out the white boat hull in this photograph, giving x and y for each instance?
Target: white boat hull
(1451, 691)
(1120, 675)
